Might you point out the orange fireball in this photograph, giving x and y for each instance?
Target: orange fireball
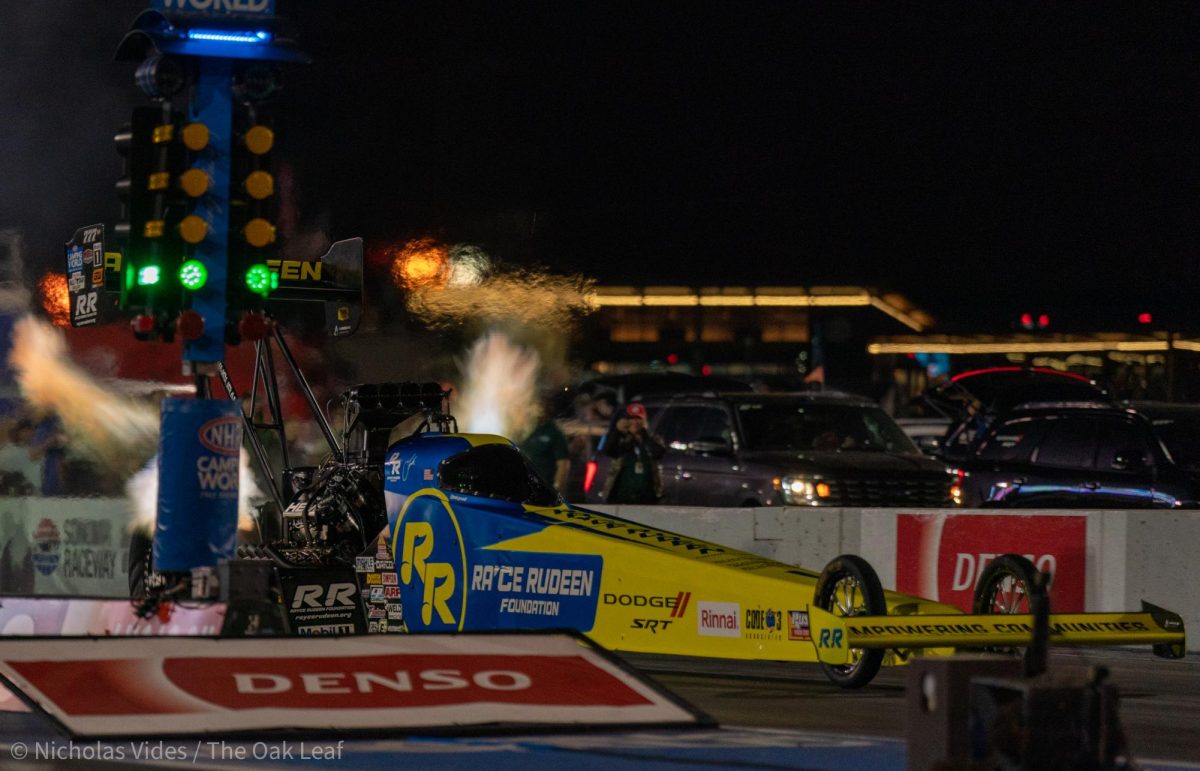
(422, 263)
(55, 299)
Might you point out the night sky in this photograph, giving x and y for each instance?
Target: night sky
(982, 158)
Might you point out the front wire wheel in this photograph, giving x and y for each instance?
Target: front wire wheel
(849, 586)
(1005, 588)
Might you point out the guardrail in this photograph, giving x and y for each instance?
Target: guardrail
(1102, 561)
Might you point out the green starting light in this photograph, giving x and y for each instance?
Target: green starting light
(193, 275)
(258, 279)
(149, 275)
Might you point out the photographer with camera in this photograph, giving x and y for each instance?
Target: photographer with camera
(634, 476)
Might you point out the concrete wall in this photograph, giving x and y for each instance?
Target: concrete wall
(1124, 556)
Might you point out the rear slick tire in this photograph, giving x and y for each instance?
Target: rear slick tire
(1004, 588)
(849, 586)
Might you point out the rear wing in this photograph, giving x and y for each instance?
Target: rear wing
(834, 636)
(335, 279)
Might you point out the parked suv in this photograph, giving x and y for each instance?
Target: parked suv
(1075, 454)
(811, 449)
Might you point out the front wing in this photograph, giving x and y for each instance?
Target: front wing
(835, 636)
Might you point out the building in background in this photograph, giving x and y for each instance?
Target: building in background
(778, 336)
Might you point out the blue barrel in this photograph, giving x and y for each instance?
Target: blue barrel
(197, 483)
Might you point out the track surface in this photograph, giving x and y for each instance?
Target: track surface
(1160, 699)
(773, 715)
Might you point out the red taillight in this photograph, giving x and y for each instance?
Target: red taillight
(959, 476)
(589, 475)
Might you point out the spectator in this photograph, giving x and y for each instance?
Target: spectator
(49, 445)
(546, 448)
(20, 471)
(634, 476)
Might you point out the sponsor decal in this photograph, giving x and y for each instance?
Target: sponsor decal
(718, 619)
(155, 686)
(75, 258)
(46, 542)
(376, 613)
(322, 598)
(427, 474)
(374, 579)
(399, 468)
(217, 472)
(942, 556)
(433, 565)
(376, 592)
(763, 624)
(296, 270)
(677, 603)
(391, 592)
(830, 638)
(325, 629)
(373, 627)
(395, 613)
(98, 276)
(389, 579)
(364, 564)
(798, 625)
(652, 625)
(521, 590)
(85, 304)
(384, 564)
(222, 435)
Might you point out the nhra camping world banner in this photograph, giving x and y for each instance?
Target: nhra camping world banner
(122, 687)
(941, 556)
(198, 483)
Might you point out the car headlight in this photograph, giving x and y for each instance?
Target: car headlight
(802, 491)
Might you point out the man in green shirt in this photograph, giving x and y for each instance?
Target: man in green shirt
(547, 451)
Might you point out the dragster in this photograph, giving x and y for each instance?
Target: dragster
(411, 526)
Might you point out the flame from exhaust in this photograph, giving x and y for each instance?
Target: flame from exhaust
(499, 389)
(55, 298)
(119, 433)
(420, 263)
(523, 297)
(112, 428)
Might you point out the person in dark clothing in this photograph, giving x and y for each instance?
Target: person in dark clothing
(634, 476)
(547, 451)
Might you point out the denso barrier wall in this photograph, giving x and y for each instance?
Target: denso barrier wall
(1104, 561)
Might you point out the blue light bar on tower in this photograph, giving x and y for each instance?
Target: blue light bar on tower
(229, 35)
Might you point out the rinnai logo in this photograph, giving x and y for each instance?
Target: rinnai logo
(222, 435)
(968, 567)
(309, 595)
(718, 619)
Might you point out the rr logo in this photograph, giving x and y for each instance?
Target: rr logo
(830, 638)
(437, 578)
